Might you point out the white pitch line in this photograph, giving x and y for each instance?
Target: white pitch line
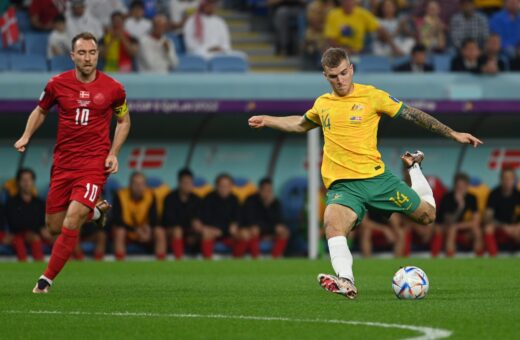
(428, 333)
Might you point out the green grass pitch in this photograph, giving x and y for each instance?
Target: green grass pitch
(246, 299)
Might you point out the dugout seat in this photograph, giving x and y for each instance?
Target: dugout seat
(201, 187)
(293, 196)
(481, 191)
(442, 62)
(243, 188)
(36, 43)
(160, 193)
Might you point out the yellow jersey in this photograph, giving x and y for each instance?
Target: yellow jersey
(349, 127)
(350, 29)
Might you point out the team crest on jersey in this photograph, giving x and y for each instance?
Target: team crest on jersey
(84, 94)
(394, 99)
(357, 107)
(99, 98)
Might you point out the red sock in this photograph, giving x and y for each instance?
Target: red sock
(239, 248)
(178, 248)
(279, 247)
(207, 248)
(450, 253)
(408, 236)
(160, 256)
(37, 250)
(436, 244)
(254, 247)
(19, 247)
(99, 255)
(491, 244)
(120, 256)
(61, 251)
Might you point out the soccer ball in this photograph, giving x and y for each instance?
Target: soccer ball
(410, 283)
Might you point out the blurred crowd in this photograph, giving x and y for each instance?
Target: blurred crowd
(239, 219)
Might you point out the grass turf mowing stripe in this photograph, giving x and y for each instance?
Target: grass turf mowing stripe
(428, 333)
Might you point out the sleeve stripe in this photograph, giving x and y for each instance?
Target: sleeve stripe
(310, 120)
(403, 106)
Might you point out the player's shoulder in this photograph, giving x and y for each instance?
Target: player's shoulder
(366, 88)
(61, 77)
(105, 78)
(323, 97)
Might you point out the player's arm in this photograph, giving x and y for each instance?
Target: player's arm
(34, 121)
(297, 124)
(122, 130)
(428, 122)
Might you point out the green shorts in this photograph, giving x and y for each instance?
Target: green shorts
(384, 194)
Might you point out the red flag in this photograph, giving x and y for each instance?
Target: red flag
(9, 27)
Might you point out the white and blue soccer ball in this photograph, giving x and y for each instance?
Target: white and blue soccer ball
(410, 283)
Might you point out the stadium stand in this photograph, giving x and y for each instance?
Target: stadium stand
(191, 63)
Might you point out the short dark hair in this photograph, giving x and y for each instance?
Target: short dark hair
(419, 48)
(84, 36)
(183, 173)
(461, 176)
(222, 176)
(136, 3)
(116, 14)
(135, 174)
(58, 18)
(333, 56)
(468, 41)
(507, 168)
(264, 181)
(23, 171)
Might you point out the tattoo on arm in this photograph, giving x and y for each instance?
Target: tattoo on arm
(423, 119)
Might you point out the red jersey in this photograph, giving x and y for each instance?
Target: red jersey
(84, 115)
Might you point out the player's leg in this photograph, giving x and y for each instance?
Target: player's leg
(100, 239)
(490, 239)
(120, 236)
(161, 241)
(209, 235)
(365, 236)
(35, 242)
(255, 234)
(241, 237)
(177, 244)
(281, 237)
(451, 239)
(18, 244)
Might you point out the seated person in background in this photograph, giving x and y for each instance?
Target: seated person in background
(43, 12)
(79, 19)
(375, 224)
(431, 29)
(205, 33)
(314, 41)
(506, 23)
(514, 64)
(285, 14)
(117, 47)
(59, 41)
(180, 11)
(134, 216)
(104, 9)
(157, 52)
(397, 28)
(181, 217)
(220, 216)
(349, 25)
(136, 24)
(502, 219)
(468, 59)
(457, 213)
(491, 61)
(262, 216)
(468, 23)
(25, 215)
(418, 61)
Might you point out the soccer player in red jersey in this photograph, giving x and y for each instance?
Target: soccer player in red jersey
(83, 155)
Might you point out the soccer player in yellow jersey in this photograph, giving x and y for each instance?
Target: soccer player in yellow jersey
(352, 169)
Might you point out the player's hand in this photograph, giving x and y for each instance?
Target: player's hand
(466, 138)
(257, 122)
(111, 164)
(21, 144)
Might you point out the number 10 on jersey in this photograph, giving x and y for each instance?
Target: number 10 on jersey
(82, 116)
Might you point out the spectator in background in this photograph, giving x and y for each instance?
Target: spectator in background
(514, 64)
(156, 51)
(489, 7)
(389, 228)
(387, 13)
(220, 216)
(458, 213)
(43, 12)
(431, 29)
(506, 24)
(446, 9)
(349, 25)
(181, 216)
(205, 33)
(117, 47)
(103, 10)
(262, 216)
(80, 20)
(502, 219)
(26, 217)
(135, 216)
(468, 59)
(492, 63)
(136, 24)
(314, 41)
(59, 41)
(418, 61)
(468, 23)
(180, 11)
(285, 14)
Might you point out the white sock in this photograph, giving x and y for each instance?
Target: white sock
(341, 257)
(49, 281)
(96, 215)
(420, 184)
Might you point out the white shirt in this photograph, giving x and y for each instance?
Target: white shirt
(152, 56)
(215, 33)
(182, 8)
(138, 28)
(60, 41)
(103, 9)
(85, 23)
